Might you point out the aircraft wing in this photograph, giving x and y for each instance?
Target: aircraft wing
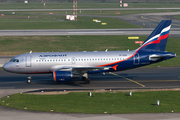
(82, 70)
(77, 69)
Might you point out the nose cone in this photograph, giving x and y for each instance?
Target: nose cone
(7, 67)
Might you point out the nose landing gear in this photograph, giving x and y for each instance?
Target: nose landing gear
(29, 79)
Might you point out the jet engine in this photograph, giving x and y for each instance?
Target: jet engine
(60, 76)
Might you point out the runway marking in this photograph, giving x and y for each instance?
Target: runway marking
(129, 79)
(156, 20)
(159, 81)
(145, 81)
(149, 19)
(91, 32)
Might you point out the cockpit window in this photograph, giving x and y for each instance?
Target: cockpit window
(14, 60)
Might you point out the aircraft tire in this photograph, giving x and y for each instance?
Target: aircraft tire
(83, 78)
(87, 81)
(29, 79)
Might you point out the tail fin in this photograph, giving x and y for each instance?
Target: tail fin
(158, 38)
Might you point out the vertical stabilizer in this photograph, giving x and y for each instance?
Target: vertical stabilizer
(158, 38)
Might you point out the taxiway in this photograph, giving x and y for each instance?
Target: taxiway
(139, 78)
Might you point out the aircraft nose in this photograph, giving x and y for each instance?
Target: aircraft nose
(6, 67)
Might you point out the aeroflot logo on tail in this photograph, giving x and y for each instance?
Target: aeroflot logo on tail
(59, 55)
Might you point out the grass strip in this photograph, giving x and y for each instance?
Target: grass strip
(98, 103)
(59, 22)
(44, 20)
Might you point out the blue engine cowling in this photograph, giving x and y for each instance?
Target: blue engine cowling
(62, 76)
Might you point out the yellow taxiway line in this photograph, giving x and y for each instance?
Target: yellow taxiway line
(128, 79)
(155, 20)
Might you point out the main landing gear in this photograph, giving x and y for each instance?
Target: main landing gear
(85, 78)
(29, 79)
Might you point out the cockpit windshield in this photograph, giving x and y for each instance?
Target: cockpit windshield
(14, 60)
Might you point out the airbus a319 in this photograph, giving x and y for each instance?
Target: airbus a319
(65, 66)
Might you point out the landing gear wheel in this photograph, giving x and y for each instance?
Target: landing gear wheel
(87, 81)
(29, 79)
(83, 78)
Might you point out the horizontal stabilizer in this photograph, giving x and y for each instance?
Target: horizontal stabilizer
(155, 57)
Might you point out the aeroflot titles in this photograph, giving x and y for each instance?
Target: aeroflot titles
(61, 55)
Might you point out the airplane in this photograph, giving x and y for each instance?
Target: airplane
(65, 66)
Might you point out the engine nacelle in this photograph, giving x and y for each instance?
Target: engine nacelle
(62, 76)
